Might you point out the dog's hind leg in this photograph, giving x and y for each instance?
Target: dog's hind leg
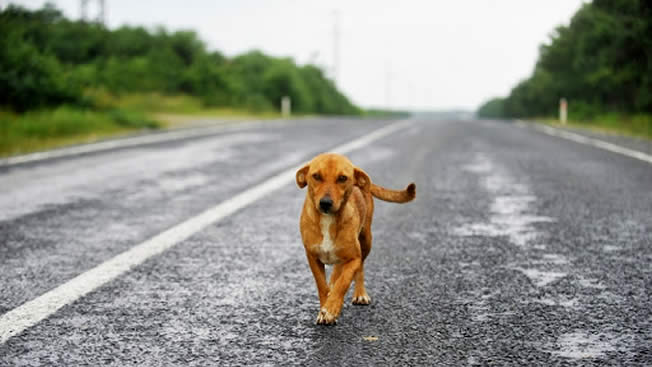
(360, 296)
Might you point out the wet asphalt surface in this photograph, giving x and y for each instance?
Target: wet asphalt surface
(520, 249)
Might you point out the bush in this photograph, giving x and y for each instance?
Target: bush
(494, 108)
(40, 66)
(46, 128)
(30, 79)
(131, 119)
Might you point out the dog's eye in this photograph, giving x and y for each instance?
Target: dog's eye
(342, 178)
(316, 176)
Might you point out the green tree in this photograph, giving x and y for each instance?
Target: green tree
(493, 108)
(601, 62)
(29, 78)
(47, 59)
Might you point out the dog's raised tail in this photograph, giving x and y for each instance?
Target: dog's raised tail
(394, 196)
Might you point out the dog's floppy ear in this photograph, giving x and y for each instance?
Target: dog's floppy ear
(302, 176)
(362, 180)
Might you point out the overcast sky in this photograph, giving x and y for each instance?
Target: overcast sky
(400, 54)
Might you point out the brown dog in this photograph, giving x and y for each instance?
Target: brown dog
(336, 227)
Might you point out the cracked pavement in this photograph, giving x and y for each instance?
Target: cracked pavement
(520, 249)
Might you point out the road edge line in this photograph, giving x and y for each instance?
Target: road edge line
(34, 311)
(614, 148)
(131, 141)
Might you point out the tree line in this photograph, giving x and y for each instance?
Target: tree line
(601, 63)
(49, 60)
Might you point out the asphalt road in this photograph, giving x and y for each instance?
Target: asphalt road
(520, 249)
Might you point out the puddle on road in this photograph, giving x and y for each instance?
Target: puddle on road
(375, 154)
(556, 301)
(510, 210)
(181, 183)
(512, 214)
(541, 278)
(418, 236)
(590, 283)
(554, 259)
(611, 248)
(480, 165)
(26, 192)
(581, 344)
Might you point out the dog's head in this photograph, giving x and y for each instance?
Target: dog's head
(330, 179)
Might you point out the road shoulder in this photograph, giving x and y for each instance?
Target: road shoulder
(640, 145)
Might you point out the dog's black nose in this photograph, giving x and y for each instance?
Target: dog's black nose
(325, 204)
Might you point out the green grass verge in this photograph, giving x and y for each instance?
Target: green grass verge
(175, 110)
(639, 126)
(49, 128)
(112, 116)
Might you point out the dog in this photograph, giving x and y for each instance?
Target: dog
(335, 227)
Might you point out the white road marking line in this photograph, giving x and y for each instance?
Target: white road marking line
(34, 311)
(589, 141)
(126, 143)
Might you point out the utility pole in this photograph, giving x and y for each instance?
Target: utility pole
(426, 99)
(336, 44)
(411, 95)
(101, 13)
(84, 10)
(388, 85)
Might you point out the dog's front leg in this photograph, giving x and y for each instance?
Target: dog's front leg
(331, 310)
(335, 274)
(318, 271)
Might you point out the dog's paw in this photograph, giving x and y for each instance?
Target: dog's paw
(362, 300)
(326, 318)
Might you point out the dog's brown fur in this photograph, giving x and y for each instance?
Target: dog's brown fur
(341, 236)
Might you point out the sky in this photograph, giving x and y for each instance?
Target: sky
(411, 54)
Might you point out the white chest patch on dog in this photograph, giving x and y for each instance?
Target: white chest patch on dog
(327, 246)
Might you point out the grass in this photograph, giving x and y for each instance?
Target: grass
(639, 126)
(175, 110)
(49, 128)
(112, 116)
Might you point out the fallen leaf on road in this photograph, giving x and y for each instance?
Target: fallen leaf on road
(370, 338)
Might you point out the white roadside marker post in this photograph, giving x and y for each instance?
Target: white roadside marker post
(286, 107)
(563, 111)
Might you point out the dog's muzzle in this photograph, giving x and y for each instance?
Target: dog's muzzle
(325, 204)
